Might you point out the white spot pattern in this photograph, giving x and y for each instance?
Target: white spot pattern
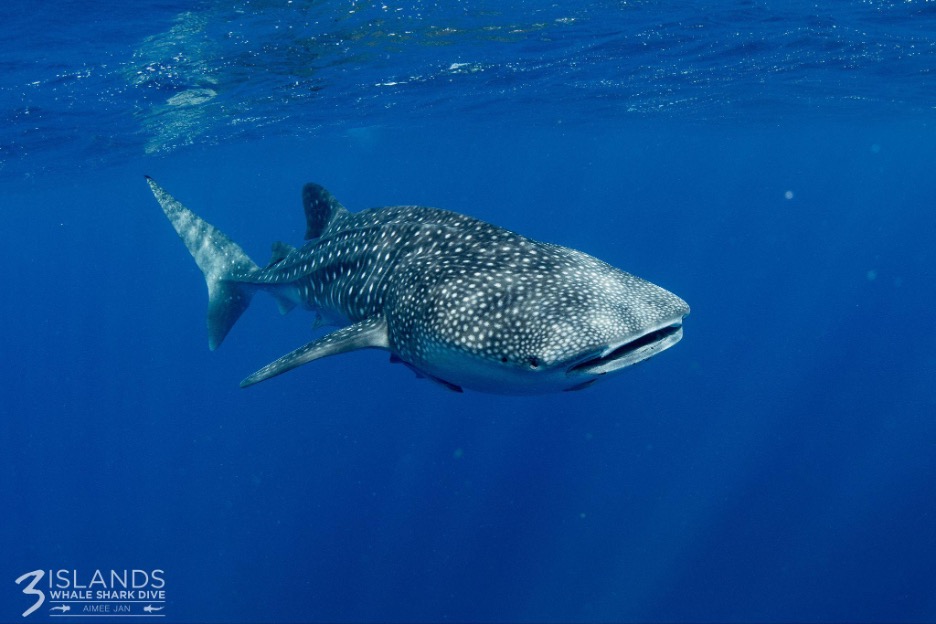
(448, 284)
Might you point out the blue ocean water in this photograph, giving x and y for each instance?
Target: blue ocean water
(771, 163)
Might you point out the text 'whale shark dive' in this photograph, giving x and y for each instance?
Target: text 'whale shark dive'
(460, 301)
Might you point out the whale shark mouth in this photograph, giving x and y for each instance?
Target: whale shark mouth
(631, 352)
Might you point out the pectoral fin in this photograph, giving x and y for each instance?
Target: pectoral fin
(367, 334)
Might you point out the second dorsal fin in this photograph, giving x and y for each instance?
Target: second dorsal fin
(280, 251)
(321, 209)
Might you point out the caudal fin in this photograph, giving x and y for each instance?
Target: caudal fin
(224, 263)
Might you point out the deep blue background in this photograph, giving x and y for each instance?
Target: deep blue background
(779, 464)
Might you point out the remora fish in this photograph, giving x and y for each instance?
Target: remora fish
(460, 301)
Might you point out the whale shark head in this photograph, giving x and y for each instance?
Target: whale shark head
(559, 323)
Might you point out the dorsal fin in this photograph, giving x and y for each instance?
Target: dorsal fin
(321, 209)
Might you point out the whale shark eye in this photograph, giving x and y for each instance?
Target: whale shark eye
(504, 359)
(534, 362)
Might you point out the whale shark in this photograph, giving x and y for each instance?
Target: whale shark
(460, 301)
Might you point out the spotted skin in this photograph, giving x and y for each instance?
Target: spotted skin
(459, 300)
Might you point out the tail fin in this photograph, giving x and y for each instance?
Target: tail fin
(223, 262)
